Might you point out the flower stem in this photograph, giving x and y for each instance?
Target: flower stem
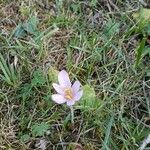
(72, 114)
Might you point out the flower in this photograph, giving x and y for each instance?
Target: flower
(67, 93)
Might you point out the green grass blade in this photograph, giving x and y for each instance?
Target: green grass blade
(107, 134)
(3, 63)
(4, 72)
(139, 51)
(5, 79)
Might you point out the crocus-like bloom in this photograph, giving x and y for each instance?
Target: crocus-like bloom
(66, 92)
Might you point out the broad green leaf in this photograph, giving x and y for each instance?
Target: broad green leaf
(25, 138)
(19, 31)
(26, 90)
(88, 99)
(24, 10)
(93, 2)
(38, 78)
(147, 28)
(148, 73)
(53, 74)
(39, 129)
(142, 14)
(146, 51)
(111, 28)
(31, 25)
(75, 8)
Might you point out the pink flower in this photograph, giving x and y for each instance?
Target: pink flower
(67, 93)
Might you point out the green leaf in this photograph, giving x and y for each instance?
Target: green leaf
(31, 25)
(139, 51)
(88, 99)
(66, 121)
(25, 10)
(143, 14)
(19, 31)
(111, 28)
(146, 51)
(38, 78)
(47, 100)
(26, 90)
(93, 3)
(25, 138)
(107, 133)
(53, 74)
(148, 73)
(8, 71)
(147, 28)
(74, 7)
(39, 129)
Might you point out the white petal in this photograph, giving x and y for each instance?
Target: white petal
(58, 98)
(63, 79)
(78, 95)
(58, 88)
(70, 102)
(76, 86)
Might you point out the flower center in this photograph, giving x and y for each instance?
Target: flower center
(68, 93)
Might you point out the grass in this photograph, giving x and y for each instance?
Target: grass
(99, 43)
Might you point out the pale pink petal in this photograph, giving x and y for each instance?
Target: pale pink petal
(63, 79)
(76, 86)
(70, 103)
(78, 95)
(58, 88)
(58, 98)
